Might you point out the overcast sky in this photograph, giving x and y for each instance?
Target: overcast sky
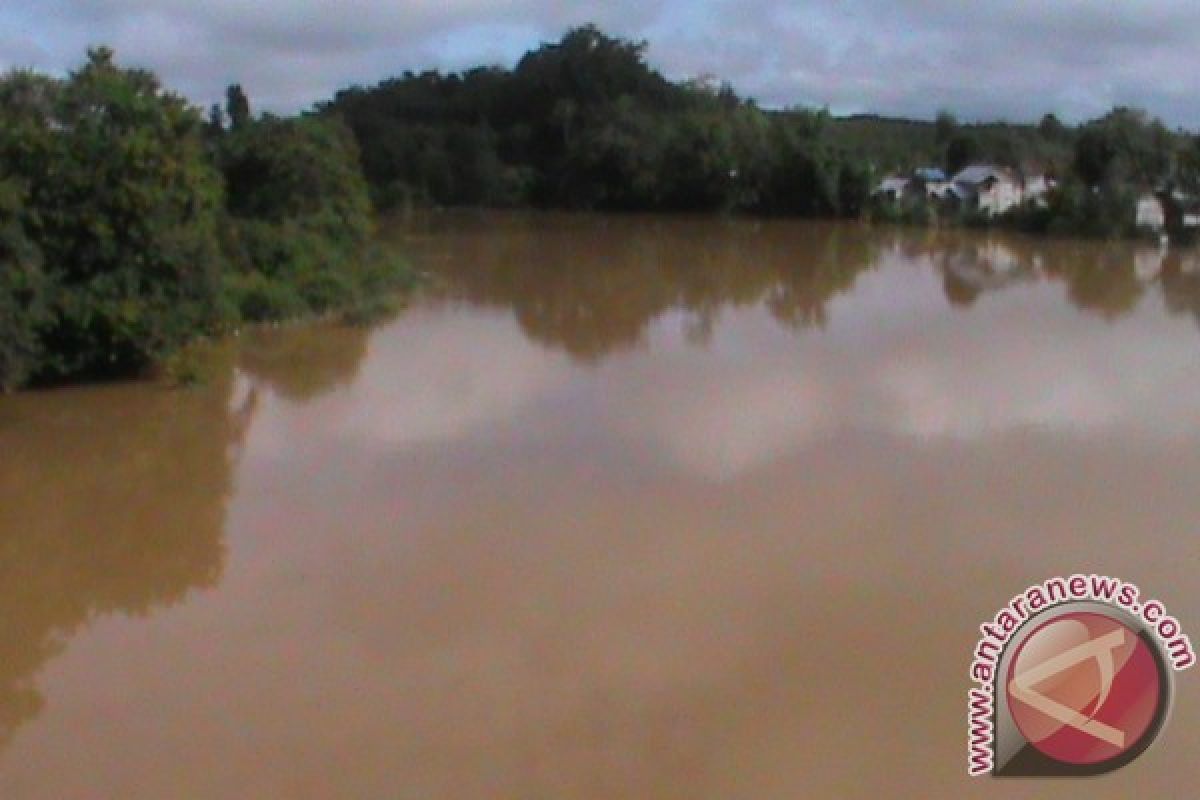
(980, 58)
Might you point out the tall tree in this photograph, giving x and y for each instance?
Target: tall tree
(1095, 155)
(237, 107)
(1051, 128)
(961, 151)
(216, 121)
(945, 126)
(299, 216)
(122, 205)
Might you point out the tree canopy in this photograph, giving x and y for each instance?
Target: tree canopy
(129, 226)
(111, 220)
(586, 123)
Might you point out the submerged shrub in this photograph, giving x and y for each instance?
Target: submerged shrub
(259, 298)
(299, 218)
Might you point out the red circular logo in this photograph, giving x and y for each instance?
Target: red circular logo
(1084, 689)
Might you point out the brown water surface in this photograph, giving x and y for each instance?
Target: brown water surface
(620, 508)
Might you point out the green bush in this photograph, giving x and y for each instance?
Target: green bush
(303, 171)
(299, 220)
(22, 291)
(129, 227)
(122, 206)
(258, 298)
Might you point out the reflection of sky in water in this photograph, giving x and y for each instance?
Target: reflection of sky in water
(522, 542)
(894, 357)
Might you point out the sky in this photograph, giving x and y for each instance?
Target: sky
(982, 59)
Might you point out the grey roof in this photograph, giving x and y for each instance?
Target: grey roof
(977, 174)
(964, 191)
(893, 185)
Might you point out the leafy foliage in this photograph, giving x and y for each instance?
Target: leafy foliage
(120, 211)
(299, 223)
(130, 226)
(585, 123)
(22, 291)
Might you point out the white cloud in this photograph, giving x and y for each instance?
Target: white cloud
(983, 59)
(430, 377)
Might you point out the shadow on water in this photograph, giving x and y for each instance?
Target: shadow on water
(593, 286)
(113, 500)
(1106, 279)
(305, 361)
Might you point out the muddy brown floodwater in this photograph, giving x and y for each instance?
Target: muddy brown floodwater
(619, 508)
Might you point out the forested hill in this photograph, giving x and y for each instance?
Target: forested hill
(587, 123)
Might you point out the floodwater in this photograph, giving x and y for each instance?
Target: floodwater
(618, 508)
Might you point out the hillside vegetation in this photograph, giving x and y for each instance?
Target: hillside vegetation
(587, 123)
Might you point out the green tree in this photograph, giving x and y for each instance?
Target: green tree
(961, 151)
(216, 122)
(300, 217)
(1095, 156)
(1125, 146)
(122, 207)
(1188, 166)
(1051, 128)
(237, 107)
(854, 188)
(22, 291)
(803, 178)
(945, 127)
(699, 168)
(615, 164)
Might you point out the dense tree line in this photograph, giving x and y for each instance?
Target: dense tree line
(585, 123)
(128, 228)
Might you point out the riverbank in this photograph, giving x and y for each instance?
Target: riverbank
(130, 230)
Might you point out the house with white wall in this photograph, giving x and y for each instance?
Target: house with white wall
(1151, 213)
(892, 188)
(985, 188)
(991, 190)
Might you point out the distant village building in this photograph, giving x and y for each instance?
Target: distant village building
(1151, 213)
(1183, 210)
(934, 182)
(988, 189)
(1037, 186)
(892, 189)
(1167, 211)
(991, 190)
(925, 182)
